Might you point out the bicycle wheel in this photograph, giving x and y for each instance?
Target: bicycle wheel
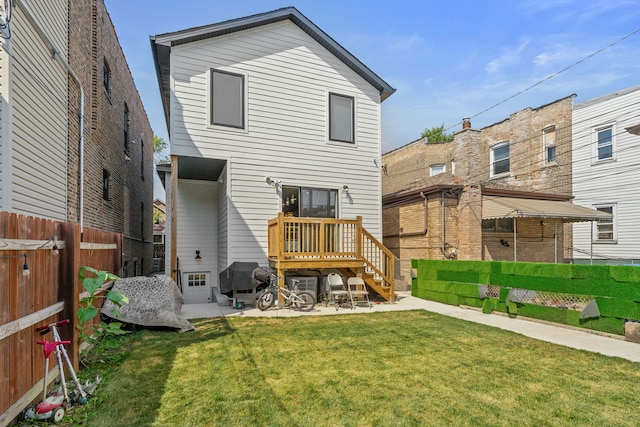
(266, 300)
(304, 301)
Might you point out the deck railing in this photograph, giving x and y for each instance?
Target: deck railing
(321, 239)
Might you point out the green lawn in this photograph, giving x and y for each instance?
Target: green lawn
(376, 369)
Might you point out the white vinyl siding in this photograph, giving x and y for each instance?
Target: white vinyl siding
(606, 183)
(222, 207)
(39, 136)
(288, 79)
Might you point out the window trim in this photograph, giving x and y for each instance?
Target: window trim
(596, 224)
(353, 118)
(243, 96)
(492, 162)
(106, 76)
(596, 146)
(432, 168)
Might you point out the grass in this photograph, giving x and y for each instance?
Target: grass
(410, 368)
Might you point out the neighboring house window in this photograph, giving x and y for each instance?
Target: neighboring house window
(453, 167)
(500, 159)
(106, 178)
(196, 280)
(106, 76)
(227, 99)
(157, 238)
(310, 202)
(549, 143)
(605, 231)
(498, 225)
(341, 118)
(436, 169)
(604, 143)
(125, 125)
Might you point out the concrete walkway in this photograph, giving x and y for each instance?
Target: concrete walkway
(566, 336)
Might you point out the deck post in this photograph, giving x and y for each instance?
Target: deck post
(359, 237)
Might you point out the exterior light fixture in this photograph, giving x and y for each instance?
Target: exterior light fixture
(345, 188)
(54, 248)
(25, 267)
(198, 257)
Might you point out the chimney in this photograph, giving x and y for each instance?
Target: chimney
(466, 123)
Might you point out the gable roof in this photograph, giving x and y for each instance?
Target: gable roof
(161, 47)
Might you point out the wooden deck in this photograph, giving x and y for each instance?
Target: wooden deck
(326, 243)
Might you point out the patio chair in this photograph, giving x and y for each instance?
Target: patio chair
(338, 294)
(358, 292)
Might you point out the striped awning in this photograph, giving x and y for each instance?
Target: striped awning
(512, 207)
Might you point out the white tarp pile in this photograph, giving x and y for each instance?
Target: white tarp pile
(153, 301)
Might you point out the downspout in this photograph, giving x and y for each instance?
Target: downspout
(55, 53)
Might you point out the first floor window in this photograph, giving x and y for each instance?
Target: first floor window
(498, 225)
(341, 118)
(436, 169)
(310, 202)
(605, 230)
(500, 159)
(227, 99)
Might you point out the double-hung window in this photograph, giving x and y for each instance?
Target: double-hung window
(549, 144)
(604, 143)
(227, 99)
(341, 118)
(500, 159)
(605, 230)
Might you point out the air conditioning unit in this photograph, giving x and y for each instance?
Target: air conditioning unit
(305, 283)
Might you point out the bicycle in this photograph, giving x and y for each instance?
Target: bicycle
(298, 300)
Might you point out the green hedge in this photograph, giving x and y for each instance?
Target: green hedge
(616, 289)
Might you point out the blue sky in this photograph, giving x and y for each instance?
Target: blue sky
(447, 60)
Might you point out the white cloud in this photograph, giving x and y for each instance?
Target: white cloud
(509, 56)
(403, 42)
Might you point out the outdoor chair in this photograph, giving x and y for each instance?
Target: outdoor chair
(338, 294)
(358, 292)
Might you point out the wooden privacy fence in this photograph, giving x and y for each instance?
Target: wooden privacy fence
(50, 292)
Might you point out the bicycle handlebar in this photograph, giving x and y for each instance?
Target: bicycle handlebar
(46, 328)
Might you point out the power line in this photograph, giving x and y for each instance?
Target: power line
(557, 73)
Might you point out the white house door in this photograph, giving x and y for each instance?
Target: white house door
(196, 287)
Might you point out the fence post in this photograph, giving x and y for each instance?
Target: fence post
(70, 287)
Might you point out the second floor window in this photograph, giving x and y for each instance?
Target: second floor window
(341, 118)
(500, 159)
(106, 178)
(125, 125)
(227, 99)
(436, 169)
(549, 143)
(106, 76)
(604, 142)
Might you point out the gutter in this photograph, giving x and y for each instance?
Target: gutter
(426, 221)
(55, 54)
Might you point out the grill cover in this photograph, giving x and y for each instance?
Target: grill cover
(238, 277)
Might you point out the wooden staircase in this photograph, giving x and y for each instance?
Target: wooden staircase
(327, 243)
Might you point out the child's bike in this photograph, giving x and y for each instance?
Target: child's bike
(293, 298)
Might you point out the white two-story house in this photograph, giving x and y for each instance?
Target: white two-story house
(267, 115)
(606, 176)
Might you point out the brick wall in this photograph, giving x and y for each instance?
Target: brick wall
(407, 168)
(129, 210)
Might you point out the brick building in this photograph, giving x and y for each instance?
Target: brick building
(117, 190)
(498, 193)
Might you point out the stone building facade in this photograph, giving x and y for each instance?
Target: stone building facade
(117, 193)
(440, 216)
